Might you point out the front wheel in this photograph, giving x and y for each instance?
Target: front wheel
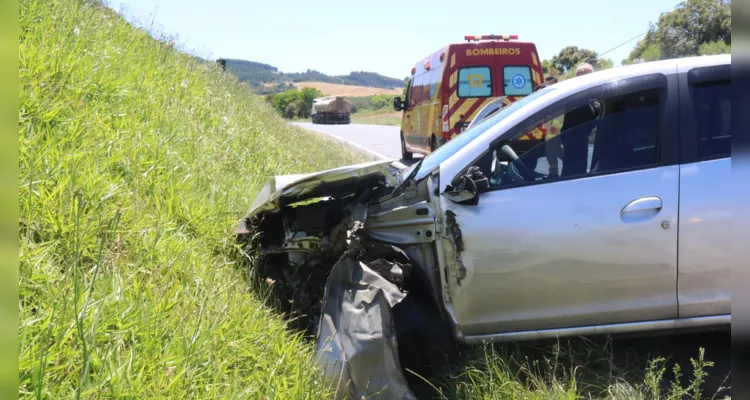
(405, 154)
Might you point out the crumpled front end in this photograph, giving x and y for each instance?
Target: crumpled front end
(337, 279)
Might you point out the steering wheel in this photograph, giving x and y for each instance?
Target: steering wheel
(516, 164)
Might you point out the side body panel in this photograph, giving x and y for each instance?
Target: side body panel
(563, 255)
(705, 261)
(581, 251)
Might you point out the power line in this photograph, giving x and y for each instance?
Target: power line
(624, 43)
(618, 46)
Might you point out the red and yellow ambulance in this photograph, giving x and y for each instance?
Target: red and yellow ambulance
(447, 88)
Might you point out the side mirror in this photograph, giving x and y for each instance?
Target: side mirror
(467, 187)
(397, 105)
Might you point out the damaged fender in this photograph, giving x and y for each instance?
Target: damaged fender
(357, 344)
(356, 336)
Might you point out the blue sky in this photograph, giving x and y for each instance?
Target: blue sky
(337, 37)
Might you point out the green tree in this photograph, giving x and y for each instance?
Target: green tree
(281, 101)
(694, 22)
(306, 97)
(292, 109)
(548, 69)
(651, 53)
(642, 44)
(572, 56)
(604, 63)
(381, 101)
(682, 32)
(710, 48)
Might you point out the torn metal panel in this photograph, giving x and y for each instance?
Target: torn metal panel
(410, 224)
(338, 182)
(452, 228)
(357, 345)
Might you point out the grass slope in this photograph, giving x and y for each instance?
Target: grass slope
(135, 162)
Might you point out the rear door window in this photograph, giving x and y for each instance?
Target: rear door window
(474, 82)
(517, 80)
(713, 113)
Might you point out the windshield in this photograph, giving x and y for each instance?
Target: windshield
(452, 146)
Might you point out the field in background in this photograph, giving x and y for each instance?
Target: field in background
(377, 118)
(346, 90)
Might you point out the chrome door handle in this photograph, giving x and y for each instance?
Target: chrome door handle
(643, 204)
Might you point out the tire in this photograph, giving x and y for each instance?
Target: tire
(428, 348)
(405, 155)
(433, 144)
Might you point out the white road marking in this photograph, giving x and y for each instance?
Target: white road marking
(366, 137)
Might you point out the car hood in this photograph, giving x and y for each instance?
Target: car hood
(337, 182)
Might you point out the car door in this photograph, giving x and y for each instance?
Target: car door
(596, 244)
(705, 200)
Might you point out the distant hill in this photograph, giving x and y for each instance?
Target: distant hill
(264, 78)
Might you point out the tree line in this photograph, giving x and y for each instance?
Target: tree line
(264, 78)
(694, 27)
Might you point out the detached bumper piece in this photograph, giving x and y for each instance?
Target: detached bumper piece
(357, 346)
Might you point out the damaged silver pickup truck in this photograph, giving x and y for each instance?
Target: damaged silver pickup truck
(496, 236)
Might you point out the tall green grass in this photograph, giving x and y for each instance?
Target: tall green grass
(572, 369)
(135, 162)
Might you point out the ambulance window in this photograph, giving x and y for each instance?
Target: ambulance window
(417, 89)
(517, 81)
(474, 82)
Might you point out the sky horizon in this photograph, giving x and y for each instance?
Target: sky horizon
(297, 35)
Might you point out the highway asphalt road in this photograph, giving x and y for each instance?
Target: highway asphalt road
(381, 141)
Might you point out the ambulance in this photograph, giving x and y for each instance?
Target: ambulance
(448, 88)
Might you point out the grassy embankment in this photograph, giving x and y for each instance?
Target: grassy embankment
(135, 160)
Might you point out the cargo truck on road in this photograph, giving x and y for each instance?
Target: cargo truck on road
(331, 110)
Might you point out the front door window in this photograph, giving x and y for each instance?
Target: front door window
(604, 136)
